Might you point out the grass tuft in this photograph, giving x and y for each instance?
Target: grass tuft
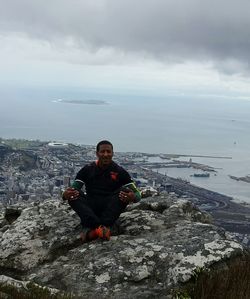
(230, 280)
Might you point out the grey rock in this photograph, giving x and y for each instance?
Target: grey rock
(19, 285)
(161, 242)
(34, 236)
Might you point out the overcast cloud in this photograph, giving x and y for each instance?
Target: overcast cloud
(115, 32)
(179, 29)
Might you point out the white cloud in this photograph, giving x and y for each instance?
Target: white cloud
(162, 45)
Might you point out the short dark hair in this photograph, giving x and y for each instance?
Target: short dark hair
(103, 142)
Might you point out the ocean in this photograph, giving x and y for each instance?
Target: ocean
(190, 125)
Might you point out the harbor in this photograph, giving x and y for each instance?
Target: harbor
(216, 174)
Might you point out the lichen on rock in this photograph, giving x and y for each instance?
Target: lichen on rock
(162, 241)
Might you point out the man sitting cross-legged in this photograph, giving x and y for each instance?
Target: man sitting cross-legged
(109, 189)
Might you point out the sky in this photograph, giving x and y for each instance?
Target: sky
(145, 46)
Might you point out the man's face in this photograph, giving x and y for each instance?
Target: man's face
(105, 154)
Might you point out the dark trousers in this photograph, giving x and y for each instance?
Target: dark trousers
(95, 211)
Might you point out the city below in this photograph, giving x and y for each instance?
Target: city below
(35, 171)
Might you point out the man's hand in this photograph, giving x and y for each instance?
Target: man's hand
(127, 196)
(70, 194)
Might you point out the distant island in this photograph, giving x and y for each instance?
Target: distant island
(81, 102)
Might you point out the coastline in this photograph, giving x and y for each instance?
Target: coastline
(218, 181)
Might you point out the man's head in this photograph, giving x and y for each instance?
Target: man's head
(104, 152)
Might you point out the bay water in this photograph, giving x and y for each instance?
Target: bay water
(190, 125)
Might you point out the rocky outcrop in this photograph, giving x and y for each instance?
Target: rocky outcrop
(158, 244)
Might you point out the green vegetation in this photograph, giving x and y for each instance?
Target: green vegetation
(32, 291)
(22, 143)
(181, 295)
(229, 280)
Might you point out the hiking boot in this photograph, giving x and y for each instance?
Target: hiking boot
(92, 234)
(103, 232)
(88, 235)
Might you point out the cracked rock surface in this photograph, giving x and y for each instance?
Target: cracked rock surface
(161, 242)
